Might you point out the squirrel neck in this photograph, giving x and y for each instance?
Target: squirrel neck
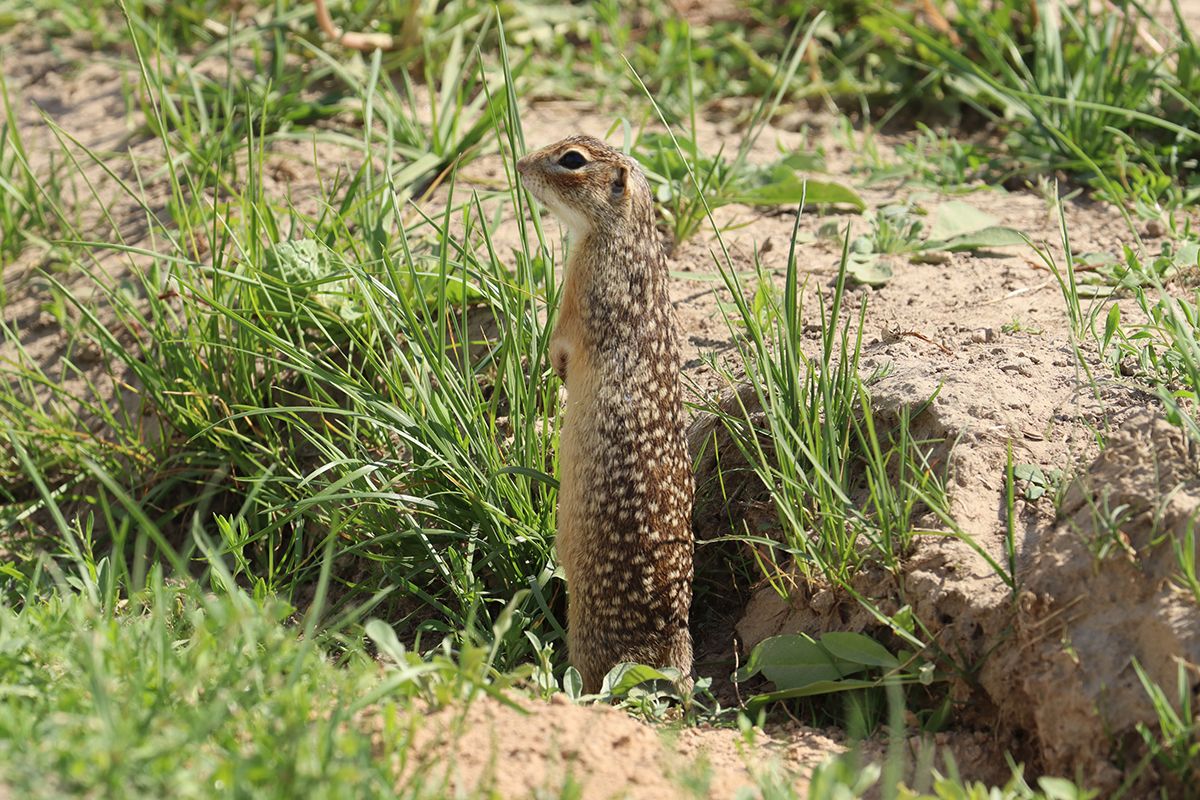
(611, 279)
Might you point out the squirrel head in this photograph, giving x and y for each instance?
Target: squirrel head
(590, 187)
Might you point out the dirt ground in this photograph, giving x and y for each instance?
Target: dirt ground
(1055, 686)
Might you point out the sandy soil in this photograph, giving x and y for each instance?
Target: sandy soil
(1054, 684)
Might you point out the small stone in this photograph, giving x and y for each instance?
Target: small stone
(1156, 227)
(43, 321)
(981, 335)
(822, 601)
(1021, 366)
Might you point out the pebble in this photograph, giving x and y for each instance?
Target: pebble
(983, 335)
(1156, 227)
(822, 601)
(1021, 366)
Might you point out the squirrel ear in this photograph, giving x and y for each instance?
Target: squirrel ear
(620, 178)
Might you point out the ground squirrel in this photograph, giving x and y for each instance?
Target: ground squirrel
(625, 497)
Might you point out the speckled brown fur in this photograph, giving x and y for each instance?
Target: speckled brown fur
(625, 496)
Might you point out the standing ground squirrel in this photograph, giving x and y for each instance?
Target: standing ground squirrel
(625, 497)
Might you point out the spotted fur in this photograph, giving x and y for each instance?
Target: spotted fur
(626, 484)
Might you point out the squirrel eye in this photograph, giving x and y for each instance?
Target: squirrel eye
(572, 159)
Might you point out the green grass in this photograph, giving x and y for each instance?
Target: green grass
(175, 692)
(1076, 92)
(30, 203)
(939, 162)
(344, 409)
(180, 696)
(355, 384)
(821, 443)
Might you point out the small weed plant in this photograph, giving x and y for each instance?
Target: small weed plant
(1076, 92)
(818, 426)
(690, 184)
(1175, 746)
(938, 162)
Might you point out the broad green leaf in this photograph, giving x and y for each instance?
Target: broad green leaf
(301, 261)
(980, 240)
(862, 245)
(1063, 789)
(886, 174)
(955, 218)
(794, 189)
(1188, 255)
(790, 662)
(1094, 259)
(572, 683)
(623, 677)
(870, 270)
(858, 649)
(818, 687)
(7, 569)
(384, 637)
(829, 230)
(1028, 472)
(808, 162)
(940, 717)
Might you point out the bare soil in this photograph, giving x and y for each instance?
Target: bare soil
(1053, 682)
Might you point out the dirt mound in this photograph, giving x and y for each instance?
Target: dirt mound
(1104, 590)
(1098, 588)
(556, 749)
